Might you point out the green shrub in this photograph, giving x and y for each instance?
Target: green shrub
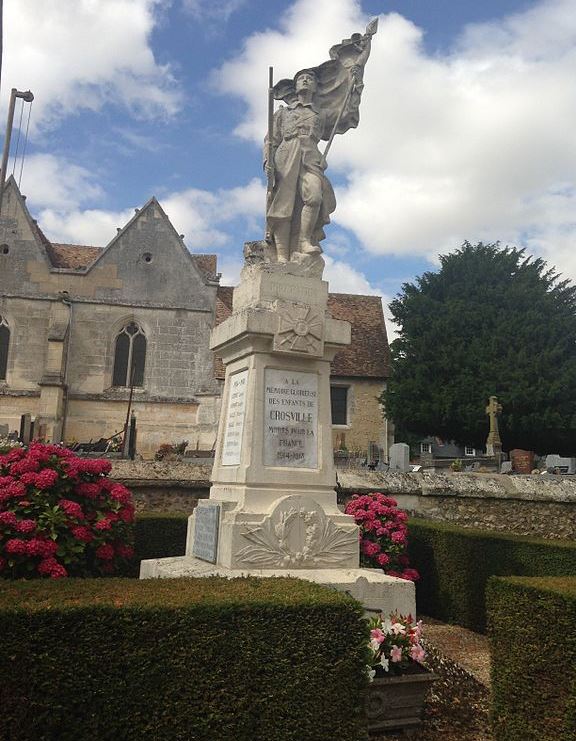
(532, 626)
(160, 535)
(198, 659)
(455, 563)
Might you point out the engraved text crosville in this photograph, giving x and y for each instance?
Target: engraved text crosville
(273, 473)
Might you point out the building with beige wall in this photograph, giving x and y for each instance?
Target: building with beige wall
(84, 329)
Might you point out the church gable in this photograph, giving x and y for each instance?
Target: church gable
(154, 266)
(22, 243)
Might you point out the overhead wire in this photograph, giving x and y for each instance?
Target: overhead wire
(19, 133)
(25, 145)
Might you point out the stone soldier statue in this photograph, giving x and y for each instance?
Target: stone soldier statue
(320, 102)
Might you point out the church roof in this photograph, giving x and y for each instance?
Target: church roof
(71, 256)
(367, 356)
(81, 256)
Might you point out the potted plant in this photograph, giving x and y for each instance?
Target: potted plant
(399, 682)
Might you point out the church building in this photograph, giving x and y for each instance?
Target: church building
(88, 332)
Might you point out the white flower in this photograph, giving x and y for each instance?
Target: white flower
(374, 644)
(371, 672)
(386, 626)
(385, 663)
(398, 629)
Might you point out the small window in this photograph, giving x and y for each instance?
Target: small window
(4, 342)
(339, 401)
(425, 447)
(468, 450)
(129, 356)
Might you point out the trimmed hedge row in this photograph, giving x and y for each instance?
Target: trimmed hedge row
(198, 659)
(532, 626)
(158, 535)
(455, 563)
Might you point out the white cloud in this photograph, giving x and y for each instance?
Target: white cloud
(58, 191)
(53, 182)
(343, 278)
(93, 227)
(81, 54)
(477, 143)
(203, 215)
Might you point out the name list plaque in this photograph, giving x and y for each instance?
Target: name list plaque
(207, 520)
(290, 419)
(232, 445)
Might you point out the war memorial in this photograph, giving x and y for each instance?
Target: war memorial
(272, 509)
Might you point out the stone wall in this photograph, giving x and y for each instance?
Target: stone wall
(536, 506)
(159, 486)
(521, 505)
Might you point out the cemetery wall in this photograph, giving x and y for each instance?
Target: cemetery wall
(164, 486)
(521, 505)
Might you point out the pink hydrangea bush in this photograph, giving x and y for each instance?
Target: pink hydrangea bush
(383, 534)
(395, 643)
(61, 516)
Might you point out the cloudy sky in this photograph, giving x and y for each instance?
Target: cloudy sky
(467, 130)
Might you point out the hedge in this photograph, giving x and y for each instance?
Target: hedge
(197, 659)
(158, 535)
(532, 626)
(455, 563)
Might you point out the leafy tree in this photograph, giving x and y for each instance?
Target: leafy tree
(491, 321)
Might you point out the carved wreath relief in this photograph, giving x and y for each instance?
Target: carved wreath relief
(300, 329)
(298, 535)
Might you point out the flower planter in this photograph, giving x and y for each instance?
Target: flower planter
(397, 702)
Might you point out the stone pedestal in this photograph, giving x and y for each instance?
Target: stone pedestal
(272, 508)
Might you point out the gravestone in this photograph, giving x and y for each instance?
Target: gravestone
(25, 429)
(400, 457)
(522, 460)
(564, 465)
(273, 478)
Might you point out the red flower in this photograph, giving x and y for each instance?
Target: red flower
(46, 478)
(26, 465)
(105, 552)
(120, 493)
(88, 490)
(16, 546)
(104, 524)
(72, 509)
(41, 547)
(26, 526)
(8, 518)
(80, 532)
(50, 567)
(124, 551)
(127, 514)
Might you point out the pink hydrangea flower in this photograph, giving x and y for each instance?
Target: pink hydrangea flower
(105, 552)
(72, 509)
(26, 526)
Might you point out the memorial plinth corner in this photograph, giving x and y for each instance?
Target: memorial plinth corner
(273, 478)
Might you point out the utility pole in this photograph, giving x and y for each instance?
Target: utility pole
(28, 98)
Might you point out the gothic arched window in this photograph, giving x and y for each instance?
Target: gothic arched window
(129, 356)
(4, 342)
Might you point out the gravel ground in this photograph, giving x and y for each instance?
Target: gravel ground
(458, 705)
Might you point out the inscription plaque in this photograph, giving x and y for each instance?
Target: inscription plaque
(290, 419)
(232, 444)
(206, 524)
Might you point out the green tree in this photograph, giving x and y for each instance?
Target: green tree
(491, 321)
